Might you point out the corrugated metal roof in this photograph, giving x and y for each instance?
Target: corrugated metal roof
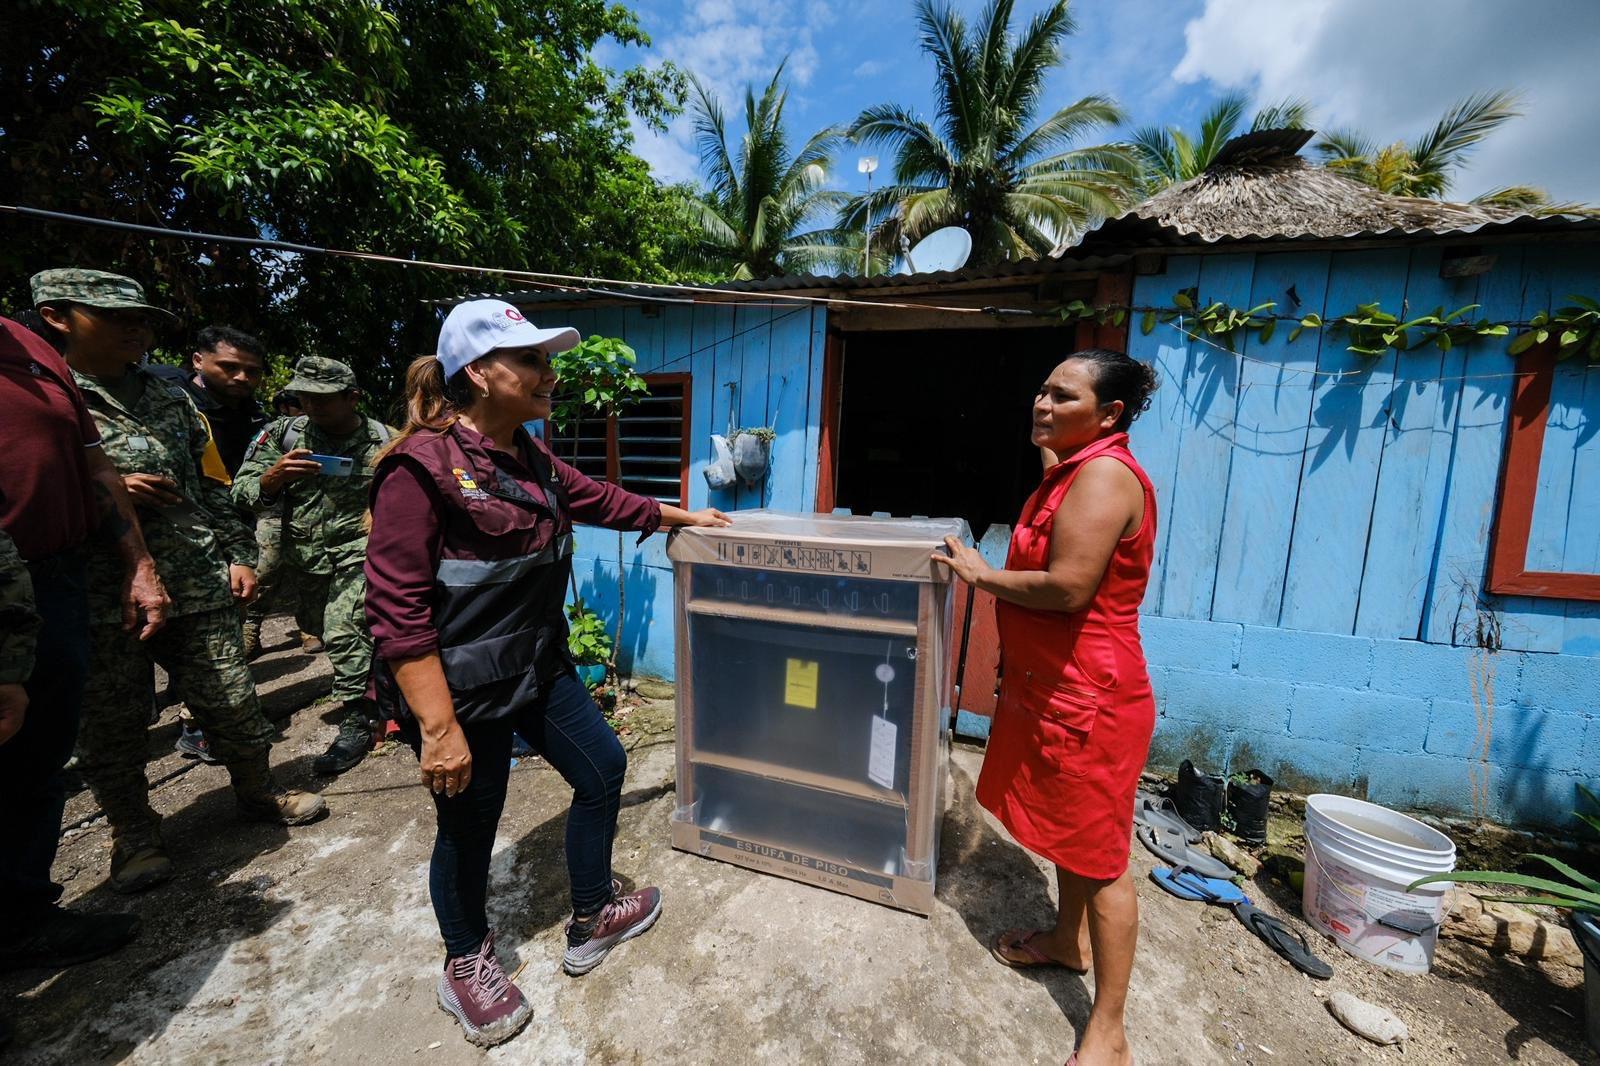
(823, 284)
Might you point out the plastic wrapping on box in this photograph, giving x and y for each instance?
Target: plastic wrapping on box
(813, 682)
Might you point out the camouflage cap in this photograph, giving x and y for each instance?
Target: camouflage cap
(95, 288)
(315, 373)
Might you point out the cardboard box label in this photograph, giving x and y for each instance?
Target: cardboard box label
(800, 684)
(809, 863)
(880, 761)
(794, 557)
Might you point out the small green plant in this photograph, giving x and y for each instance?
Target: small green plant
(763, 433)
(1582, 894)
(1575, 329)
(587, 639)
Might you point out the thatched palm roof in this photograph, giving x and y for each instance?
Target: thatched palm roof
(1258, 188)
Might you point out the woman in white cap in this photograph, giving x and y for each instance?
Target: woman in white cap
(467, 569)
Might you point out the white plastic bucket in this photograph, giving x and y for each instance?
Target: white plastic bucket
(1359, 859)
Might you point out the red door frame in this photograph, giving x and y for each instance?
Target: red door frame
(1519, 485)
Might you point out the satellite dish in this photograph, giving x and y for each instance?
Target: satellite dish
(943, 249)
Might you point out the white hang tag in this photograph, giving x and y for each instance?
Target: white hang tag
(880, 762)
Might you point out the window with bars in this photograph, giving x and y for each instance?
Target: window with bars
(645, 448)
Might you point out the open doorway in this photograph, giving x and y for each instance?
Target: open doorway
(935, 422)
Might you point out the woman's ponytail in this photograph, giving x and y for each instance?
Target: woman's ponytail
(432, 403)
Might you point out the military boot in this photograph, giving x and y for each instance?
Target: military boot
(137, 865)
(311, 644)
(261, 799)
(252, 640)
(352, 743)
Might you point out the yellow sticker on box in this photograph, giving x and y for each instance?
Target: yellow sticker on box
(800, 684)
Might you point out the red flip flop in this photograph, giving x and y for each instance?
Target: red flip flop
(1034, 958)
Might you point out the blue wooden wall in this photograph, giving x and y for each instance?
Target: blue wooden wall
(1317, 606)
(772, 356)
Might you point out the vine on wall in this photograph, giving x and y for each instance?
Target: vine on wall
(1369, 330)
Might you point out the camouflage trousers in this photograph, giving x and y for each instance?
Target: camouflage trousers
(203, 655)
(338, 602)
(279, 587)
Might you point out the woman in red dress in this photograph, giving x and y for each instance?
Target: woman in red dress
(1073, 724)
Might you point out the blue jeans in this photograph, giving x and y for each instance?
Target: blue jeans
(32, 793)
(566, 727)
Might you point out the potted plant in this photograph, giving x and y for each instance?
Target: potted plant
(752, 452)
(1577, 894)
(588, 643)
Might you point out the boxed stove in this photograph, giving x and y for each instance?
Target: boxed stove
(813, 680)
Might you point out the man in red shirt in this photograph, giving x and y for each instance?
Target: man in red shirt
(57, 488)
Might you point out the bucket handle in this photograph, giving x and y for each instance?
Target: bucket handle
(1388, 920)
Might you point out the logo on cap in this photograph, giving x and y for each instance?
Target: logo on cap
(513, 314)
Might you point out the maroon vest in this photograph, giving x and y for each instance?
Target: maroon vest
(502, 630)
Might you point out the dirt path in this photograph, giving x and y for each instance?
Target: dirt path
(318, 946)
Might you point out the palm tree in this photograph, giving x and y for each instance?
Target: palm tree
(1426, 167)
(752, 219)
(1018, 190)
(1171, 155)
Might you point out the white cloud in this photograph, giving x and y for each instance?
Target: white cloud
(729, 45)
(870, 68)
(1391, 68)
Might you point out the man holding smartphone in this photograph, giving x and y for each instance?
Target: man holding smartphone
(315, 469)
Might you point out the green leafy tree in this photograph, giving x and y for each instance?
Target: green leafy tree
(1171, 154)
(1427, 166)
(1019, 187)
(480, 131)
(758, 215)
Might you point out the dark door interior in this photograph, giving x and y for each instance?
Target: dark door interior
(936, 423)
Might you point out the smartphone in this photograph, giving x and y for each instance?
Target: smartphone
(334, 465)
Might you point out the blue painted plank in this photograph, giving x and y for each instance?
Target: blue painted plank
(719, 399)
(1555, 497)
(814, 399)
(1417, 418)
(1481, 400)
(1581, 633)
(1157, 436)
(1339, 469)
(643, 328)
(752, 350)
(677, 340)
(1269, 434)
(788, 386)
(1536, 623)
(1209, 382)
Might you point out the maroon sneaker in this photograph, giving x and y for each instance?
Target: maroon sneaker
(624, 918)
(475, 989)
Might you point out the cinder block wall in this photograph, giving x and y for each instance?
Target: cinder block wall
(1507, 736)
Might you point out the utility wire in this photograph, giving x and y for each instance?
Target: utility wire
(575, 283)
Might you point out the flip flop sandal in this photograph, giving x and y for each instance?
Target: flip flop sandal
(1159, 812)
(1168, 845)
(1187, 884)
(1284, 940)
(1035, 958)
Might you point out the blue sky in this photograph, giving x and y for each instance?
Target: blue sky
(1386, 66)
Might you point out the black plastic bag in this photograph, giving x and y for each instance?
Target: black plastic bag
(1200, 797)
(1247, 805)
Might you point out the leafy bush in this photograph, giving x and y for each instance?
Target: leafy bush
(587, 639)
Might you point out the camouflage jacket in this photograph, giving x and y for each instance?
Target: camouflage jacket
(192, 542)
(19, 624)
(325, 517)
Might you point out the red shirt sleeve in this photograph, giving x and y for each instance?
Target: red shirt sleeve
(597, 503)
(403, 553)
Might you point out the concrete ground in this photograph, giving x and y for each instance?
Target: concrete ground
(317, 945)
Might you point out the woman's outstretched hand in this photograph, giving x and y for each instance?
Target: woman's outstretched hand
(708, 517)
(963, 560)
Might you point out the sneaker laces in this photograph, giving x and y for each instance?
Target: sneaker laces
(483, 973)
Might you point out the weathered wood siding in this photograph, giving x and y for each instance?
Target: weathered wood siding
(773, 357)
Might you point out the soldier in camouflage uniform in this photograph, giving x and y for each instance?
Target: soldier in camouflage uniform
(324, 515)
(205, 554)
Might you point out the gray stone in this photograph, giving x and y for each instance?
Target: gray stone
(1367, 1020)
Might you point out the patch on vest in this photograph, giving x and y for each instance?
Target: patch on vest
(469, 487)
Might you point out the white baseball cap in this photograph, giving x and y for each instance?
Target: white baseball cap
(474, 329)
